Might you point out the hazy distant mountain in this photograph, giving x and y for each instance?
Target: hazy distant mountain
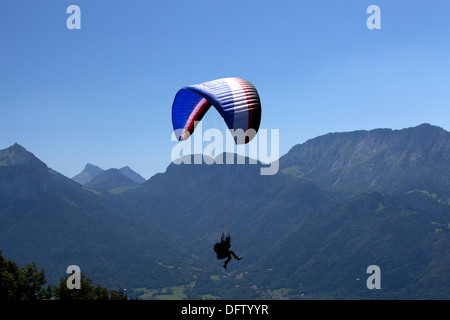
(383, 160)
(110, 179)
(133, 175)
(99, 179)
(89, 172)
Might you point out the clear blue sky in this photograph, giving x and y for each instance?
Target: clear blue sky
(103, 94)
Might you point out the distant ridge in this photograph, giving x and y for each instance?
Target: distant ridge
(133, 175)
(95, 177)
(381, 160)
(89, 172)
(109, 180)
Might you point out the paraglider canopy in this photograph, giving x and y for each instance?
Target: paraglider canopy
(236, 100)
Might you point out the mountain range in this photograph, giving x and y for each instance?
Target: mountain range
(340, 203)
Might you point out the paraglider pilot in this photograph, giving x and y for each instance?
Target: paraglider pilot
(223, 251)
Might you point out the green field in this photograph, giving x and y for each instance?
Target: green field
(213, 287)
